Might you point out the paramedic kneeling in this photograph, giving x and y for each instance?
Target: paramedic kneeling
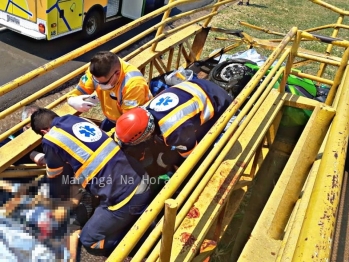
(175, 120)
(98, 165)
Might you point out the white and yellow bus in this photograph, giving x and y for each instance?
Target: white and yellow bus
(50, 19)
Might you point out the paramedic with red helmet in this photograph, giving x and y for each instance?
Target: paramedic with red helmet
(177, 119)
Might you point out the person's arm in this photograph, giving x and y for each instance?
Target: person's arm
(181, 143)
(61, 212)
(75, 92)
(57, 169)
(136, 94)
(73, 242)
(83, 90)
(85, 85)
(6, 186)
(38, 158)
(59, 175)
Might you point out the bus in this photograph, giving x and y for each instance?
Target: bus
(50, 19)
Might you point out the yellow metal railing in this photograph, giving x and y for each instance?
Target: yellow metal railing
(87, 47)
(334, 152)
(303, 232)
(130, 240)
(317, 230)
(143, 224)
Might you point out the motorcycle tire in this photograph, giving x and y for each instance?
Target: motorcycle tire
(232, 75)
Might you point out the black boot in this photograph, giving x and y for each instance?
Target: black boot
(240, 3)
(248, 3)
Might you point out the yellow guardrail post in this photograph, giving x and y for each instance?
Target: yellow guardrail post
(338, 77)
(266, 237)
(304, 158)
(290, 60)
(208, 20)
(314, 242)
(294, 225)
(342, 13)
(168, 229)
(161, 28)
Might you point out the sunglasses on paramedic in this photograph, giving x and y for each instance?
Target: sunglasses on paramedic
(106, 82)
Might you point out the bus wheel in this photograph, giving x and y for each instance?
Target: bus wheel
(92, 24)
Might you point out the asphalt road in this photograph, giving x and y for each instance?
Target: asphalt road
(20, 54)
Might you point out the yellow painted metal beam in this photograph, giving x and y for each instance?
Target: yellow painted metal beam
(24, 143)
(338, 25)
(331, 7)
(143, 58)
(161, 28)
(209, 204)
(214, 10)
(301, 102)
(312, 77)
(168, 229)
(251, 107)
(315, 238)
(294, 226)
(338, 77)
(290, 61)
(23, 173)
(334, 41)
(266, 237)
(327, 60)
(168, 33)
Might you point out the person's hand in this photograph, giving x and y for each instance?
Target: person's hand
(59, 214)
(80, 104)
(38, 158)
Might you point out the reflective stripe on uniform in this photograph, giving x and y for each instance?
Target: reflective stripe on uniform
(178, 116)
(92, 162)
(98, 245)
(199, 102)
(53, 172)
(123, 202)
(206, 107)
(81, 90)
(93, 165)
(69, 143)
(187, 153)
(127, 78)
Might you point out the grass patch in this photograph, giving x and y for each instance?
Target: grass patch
(278, 16)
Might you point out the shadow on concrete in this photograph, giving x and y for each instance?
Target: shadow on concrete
(258, 6)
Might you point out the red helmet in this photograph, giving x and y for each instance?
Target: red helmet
(135, 126)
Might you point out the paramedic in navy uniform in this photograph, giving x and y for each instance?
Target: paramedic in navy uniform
(96, 163)
(175, 120)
